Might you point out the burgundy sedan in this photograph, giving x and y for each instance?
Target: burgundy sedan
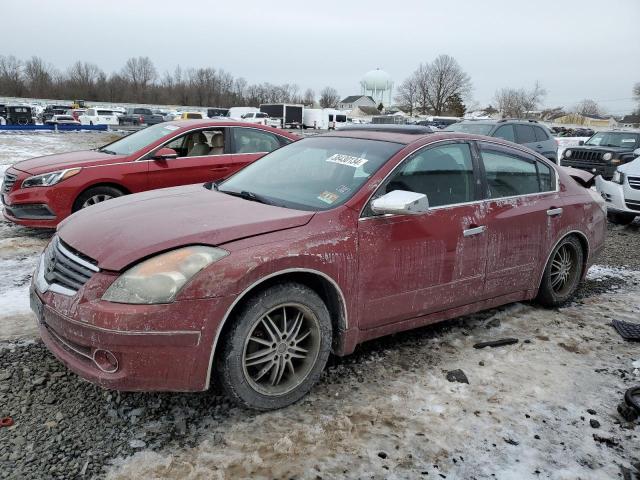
(318, 246)
(41, 192)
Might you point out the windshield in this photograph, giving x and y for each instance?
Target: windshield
(136, 141)
(314, 173)
(474, 128)
(614, 139)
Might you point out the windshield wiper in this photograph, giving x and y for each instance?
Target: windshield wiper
(247, 196)
(104, 150)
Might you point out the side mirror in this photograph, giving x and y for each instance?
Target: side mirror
(165, 154)
(401, 202)
(581, 142)
(636, 152)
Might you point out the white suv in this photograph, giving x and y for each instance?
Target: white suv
(98, 116)
(260, 118)
(622, 193)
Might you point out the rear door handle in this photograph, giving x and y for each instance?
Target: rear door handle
(554, 212)
(470, 232)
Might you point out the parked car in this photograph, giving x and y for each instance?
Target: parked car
(529, 133)
(260, 118)
(62, 120)
(622, 193)
(603, 153)
(19, 115)
(139, 116)
(323, 118)
(191, 116)
(217, 112)
(41, 192)
(328, 242)
(99, 116)
(76, 112)
(286, 115)
(51, 110)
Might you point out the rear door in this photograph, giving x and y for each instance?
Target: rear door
(195, 163)
(412, 265)
(524, 215)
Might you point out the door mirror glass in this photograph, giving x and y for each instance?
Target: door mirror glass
(401, 202)
(581, 142)
(165, 154)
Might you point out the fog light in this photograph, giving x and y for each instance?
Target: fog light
(105, 361)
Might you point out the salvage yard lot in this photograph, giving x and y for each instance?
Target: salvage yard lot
(387, 411)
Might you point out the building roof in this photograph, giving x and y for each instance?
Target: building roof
(630, 119)
(353, 98)
(368, 110)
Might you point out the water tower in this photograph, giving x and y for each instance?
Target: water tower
(378, 84)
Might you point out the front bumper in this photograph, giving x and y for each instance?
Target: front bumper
(155, 347)
(606, 170)
(619, 198)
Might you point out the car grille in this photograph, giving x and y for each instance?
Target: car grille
(66, 268)
(634, 182)
(9, 181)
(633, 205)
(587, 155)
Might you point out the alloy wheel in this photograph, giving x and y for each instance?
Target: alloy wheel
(564, 269)
(281, 349)
(96, 199)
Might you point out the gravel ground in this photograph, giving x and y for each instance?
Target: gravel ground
(387, 411)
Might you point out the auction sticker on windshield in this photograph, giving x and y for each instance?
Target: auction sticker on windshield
(348, 160)
(328, 197)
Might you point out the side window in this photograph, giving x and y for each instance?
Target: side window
(509, 175)
(541, 135)
(525, 134)
(444, 174)
(505, 132)
(546, 177)
(253, 140)
(91, 112)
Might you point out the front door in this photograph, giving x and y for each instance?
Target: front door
(202, 157)
(412, 265)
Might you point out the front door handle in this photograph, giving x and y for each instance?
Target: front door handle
(554, 212)
(470, 232)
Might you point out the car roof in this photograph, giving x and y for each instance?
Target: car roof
(208, 122)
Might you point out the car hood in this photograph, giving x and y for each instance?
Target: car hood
(631, 168)
(122, 231)
(50, 163)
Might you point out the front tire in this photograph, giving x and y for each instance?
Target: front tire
(96, 195)
(619, 218)
(276, 349)
(562, 274)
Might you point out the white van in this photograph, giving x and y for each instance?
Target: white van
(323, 118)
(98, 116)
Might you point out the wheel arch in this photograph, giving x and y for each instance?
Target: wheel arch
(321, 283)
(95, 185)
(584, 242)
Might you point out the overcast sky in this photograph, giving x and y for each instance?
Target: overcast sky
(576, 49)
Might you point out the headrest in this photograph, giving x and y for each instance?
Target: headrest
(218, 140)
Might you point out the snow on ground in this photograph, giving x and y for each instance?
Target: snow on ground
(522, 415)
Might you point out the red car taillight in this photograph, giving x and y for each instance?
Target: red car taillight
(141, 119)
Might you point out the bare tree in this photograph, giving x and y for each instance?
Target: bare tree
(636, 96)
(140, 72)
(81, 80)
(407, 94)
(329, 97)
(514, 103)
(309, 97)
(445, 78)
(38, 77)
(11, 81)
(588, 107)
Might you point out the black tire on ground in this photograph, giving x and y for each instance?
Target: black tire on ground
(620, 218)
(238, 348)
(566, 261)
(100, 194)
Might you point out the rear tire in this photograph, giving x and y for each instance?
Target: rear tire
(276, 349)
(620, 218)
(96, 195)
(562, 273)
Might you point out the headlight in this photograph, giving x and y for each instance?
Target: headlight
(607, 156)
(618, 177)
(567, 153)
(159, 279)
(48, 179)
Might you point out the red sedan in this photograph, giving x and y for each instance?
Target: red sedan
(41, 192)
(325, 243)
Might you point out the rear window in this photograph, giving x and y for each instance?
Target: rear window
(541, 135)
(105, 112)
(525, 134)
(142, 111)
